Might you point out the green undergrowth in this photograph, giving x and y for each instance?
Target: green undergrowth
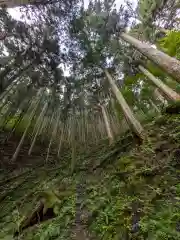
(130, 191)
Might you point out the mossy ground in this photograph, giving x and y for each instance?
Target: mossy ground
(130, 191)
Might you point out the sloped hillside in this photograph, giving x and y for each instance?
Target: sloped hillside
(123, 191)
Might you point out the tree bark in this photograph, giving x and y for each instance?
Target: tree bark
(168, 92)
(154, 106)
(107, 124)
(168, 64)
(132, 121)
(39, 95)
(53, 134)
(60, 141)
(38, 128)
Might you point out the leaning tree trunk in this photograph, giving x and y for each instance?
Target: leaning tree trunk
(107, 124)
(168, 92)
(53, 134)
(154, 106)
(169, 64)
(61, 139)
(132, 121)
(34, 106)
(39, 121)
(22, 112)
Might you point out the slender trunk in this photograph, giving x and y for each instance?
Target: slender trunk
(19, 119)
(168, 64)
(134, 123)
(69, 130)
(168, 92)
(85, 128)
(13, 107)
(66, 132)
(103, 127)
(39, 121)
(43, 126)
(73, 143)
(107, 124)
(40, 118)
(154, 106)
(60, 142)
(48, 126)
(116, 117)
(53, 135)
(34, 106)
(112, 120)
(93, 130)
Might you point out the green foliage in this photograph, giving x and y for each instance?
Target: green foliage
(131, 193)
(171, 43)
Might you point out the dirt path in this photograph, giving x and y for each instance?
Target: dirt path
(79, 229)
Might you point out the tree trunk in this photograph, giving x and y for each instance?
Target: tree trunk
(39, 95)
(60, 141)
(38, 127)
(107, 124)
(23, 112)
(53, 134)
(168, 92)
(73, 141)
(168, 64)
(154, 106)
(132, 121)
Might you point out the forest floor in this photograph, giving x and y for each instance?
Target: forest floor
(123, 191)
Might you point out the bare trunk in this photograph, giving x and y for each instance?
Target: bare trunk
(53, 135)
(154, 106)
(132, 121)
(73, 143)
(168, 64)
(168, 92)
(60, 142)
(107, 124)
(38, 128)
(46, 129)
(113, 121)
(18, 121)
(93, 130)
(39, 95)
(43, 126)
